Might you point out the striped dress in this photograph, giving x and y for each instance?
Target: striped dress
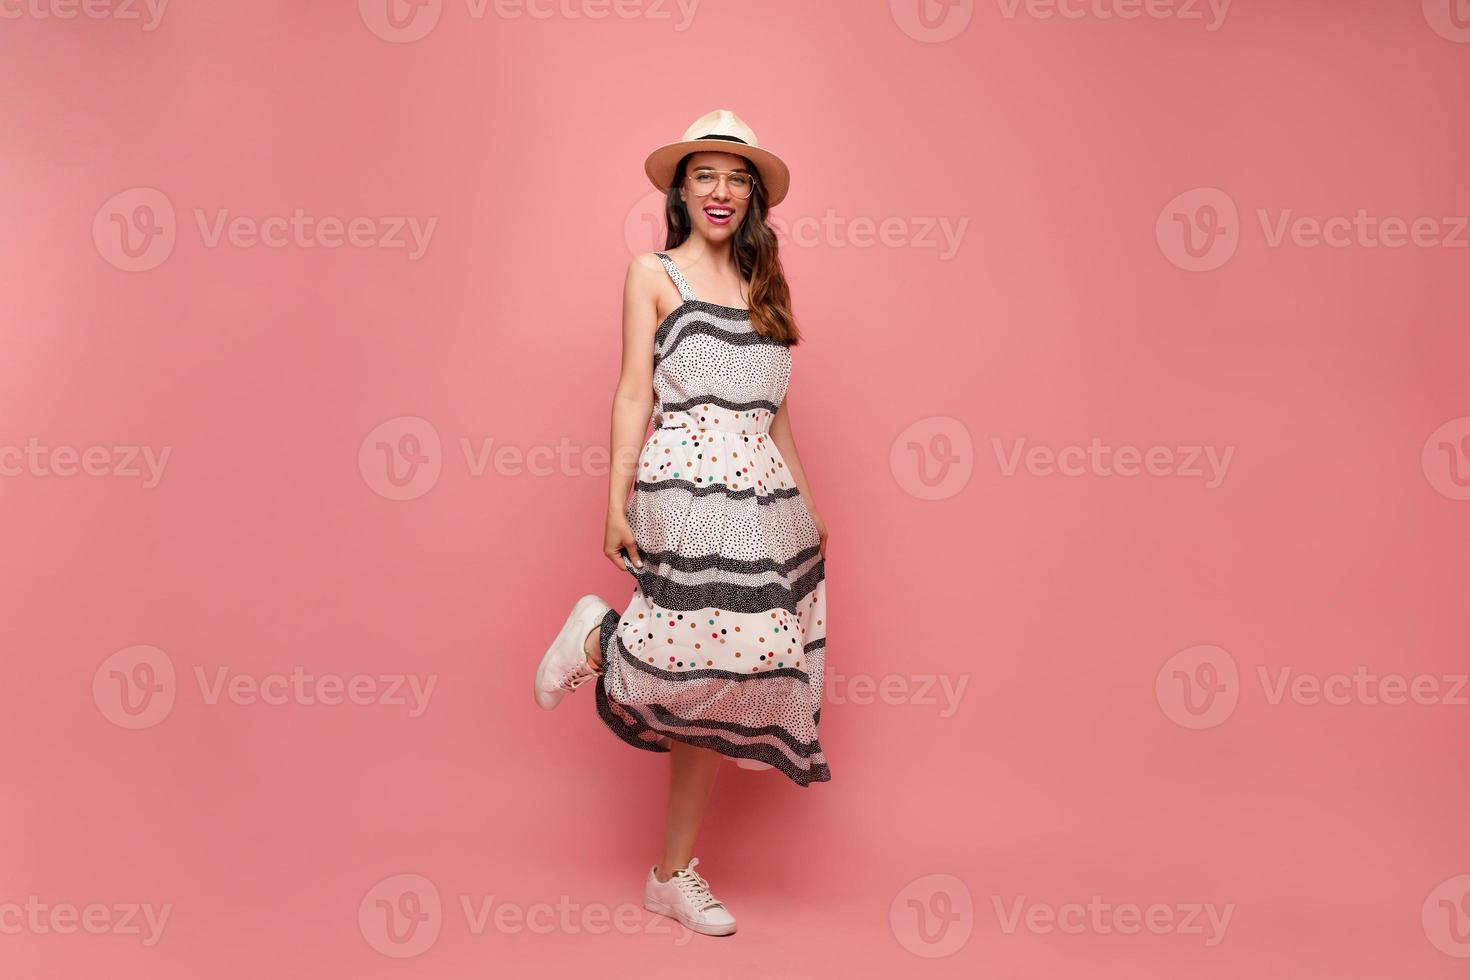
(722, 642)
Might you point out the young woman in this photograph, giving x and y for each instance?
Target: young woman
(719, 653)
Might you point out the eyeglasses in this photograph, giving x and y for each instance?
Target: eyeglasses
(704, 180)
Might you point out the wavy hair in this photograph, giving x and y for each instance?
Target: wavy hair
(757, 256)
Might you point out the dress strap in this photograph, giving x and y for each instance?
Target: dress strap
(684, 291)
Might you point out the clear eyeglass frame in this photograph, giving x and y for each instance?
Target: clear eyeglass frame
(704, 180)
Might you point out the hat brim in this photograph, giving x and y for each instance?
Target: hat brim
(774, 174)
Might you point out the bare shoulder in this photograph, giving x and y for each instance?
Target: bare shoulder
(647, 281)
(642, 290)
(645, 267)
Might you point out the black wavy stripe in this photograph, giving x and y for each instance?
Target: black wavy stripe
(699, 305)
(770, 755)
(663, 591)
(804, 749)
(735, 566)
(733, 406)
(696, 327)
(728, 596)
(761, 496)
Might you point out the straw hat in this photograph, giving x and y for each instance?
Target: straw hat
(720, 131)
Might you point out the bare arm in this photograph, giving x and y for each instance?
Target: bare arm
(786, 442)
(633, 397)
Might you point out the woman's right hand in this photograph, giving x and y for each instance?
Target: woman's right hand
(619, 535)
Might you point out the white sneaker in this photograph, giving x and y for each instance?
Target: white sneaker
(564, 667)
(686, 897)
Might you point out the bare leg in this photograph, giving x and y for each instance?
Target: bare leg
(590, 647)
(692, 772)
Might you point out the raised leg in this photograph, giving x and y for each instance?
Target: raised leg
(692, 772)
(590, 647)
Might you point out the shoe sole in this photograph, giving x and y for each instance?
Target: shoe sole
(577, 617)
(703, 929)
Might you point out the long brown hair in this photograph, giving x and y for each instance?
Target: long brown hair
(756, 256)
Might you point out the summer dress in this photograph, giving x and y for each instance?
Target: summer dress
(723, 641)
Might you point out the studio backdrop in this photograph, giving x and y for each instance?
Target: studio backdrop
(1133, 393)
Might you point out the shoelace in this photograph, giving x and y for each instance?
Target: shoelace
(578, 676)
(695, 888)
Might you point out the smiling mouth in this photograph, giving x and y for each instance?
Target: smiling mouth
(720, 213)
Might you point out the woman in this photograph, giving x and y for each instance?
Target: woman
(720, 651)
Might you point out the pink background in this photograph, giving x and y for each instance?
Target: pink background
(1076, 761)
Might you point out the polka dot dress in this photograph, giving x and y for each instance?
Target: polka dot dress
(722, 644)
